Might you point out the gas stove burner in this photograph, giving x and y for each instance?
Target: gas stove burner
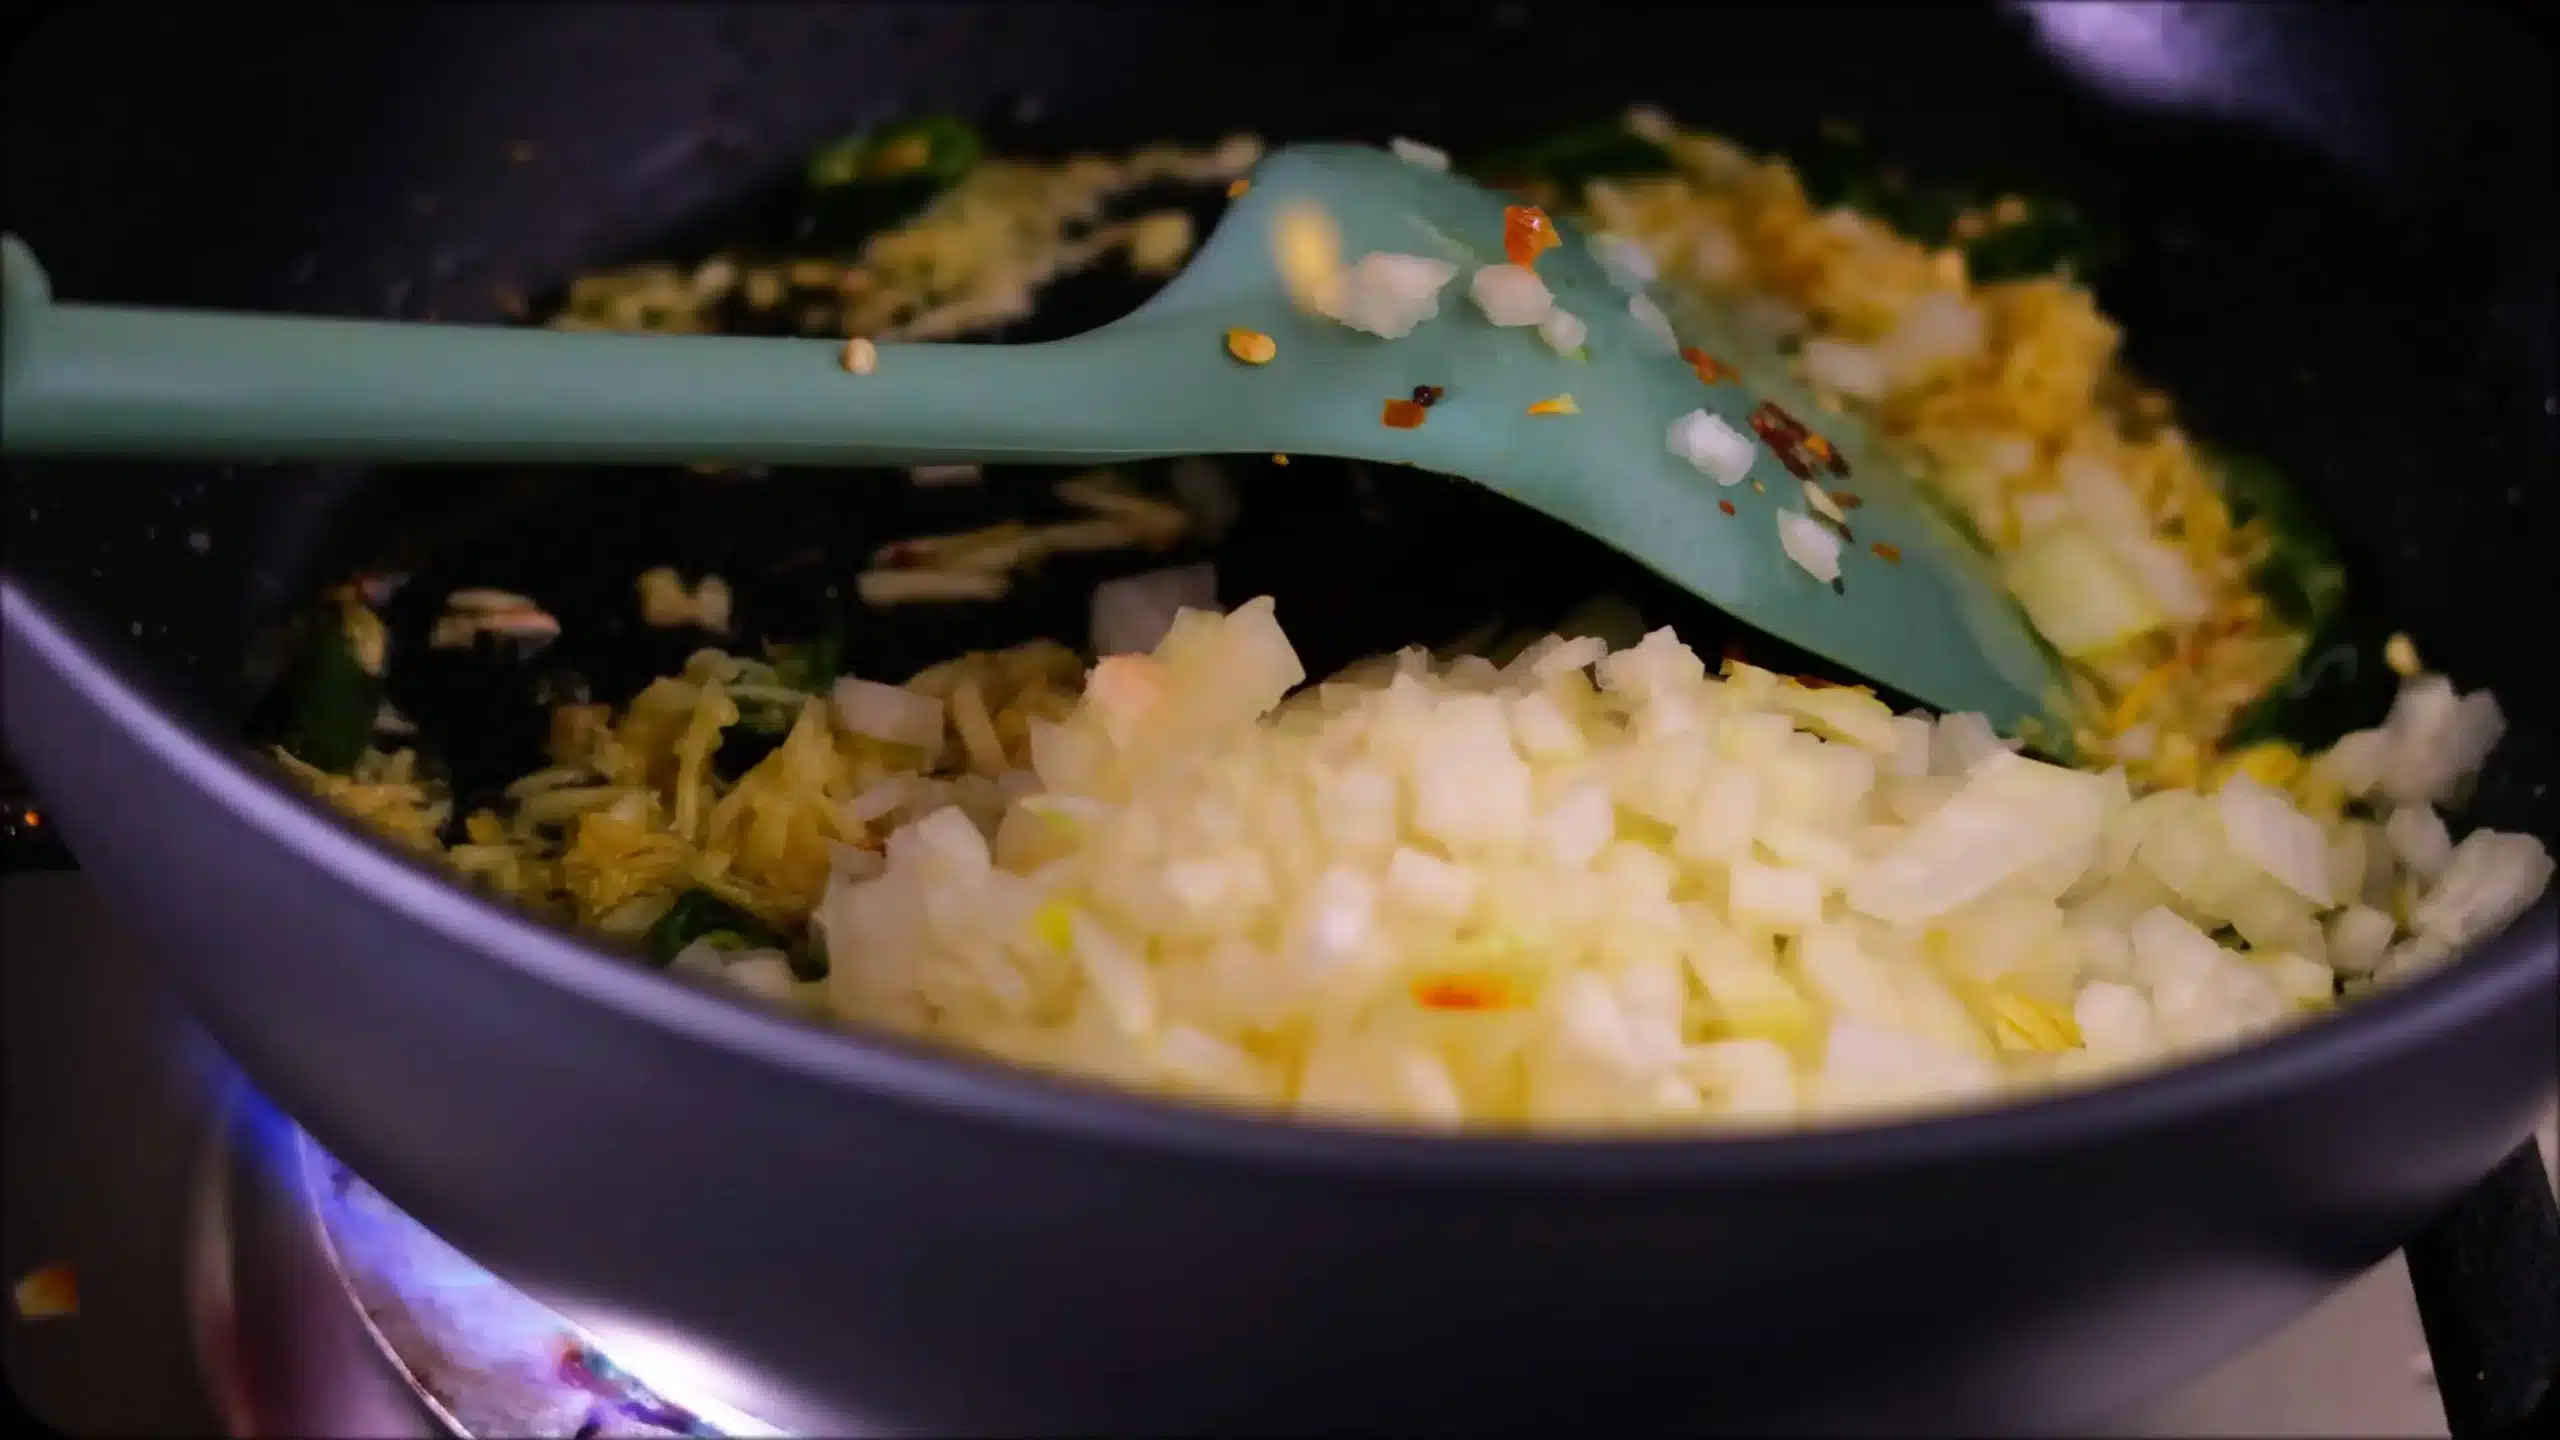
(481, 1358)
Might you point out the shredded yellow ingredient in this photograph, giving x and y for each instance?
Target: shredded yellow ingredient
(1990, 424)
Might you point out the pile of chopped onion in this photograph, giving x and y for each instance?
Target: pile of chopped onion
(1594, 888)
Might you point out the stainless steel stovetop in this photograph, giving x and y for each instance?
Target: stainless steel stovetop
(232, 1278)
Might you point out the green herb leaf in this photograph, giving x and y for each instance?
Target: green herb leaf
(2339, 684)
(2056, 237)
(329, 719)
(813, 664)
(2301, 576)
(874, 179)
(701, 915)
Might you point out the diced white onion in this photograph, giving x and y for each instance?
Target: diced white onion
(888, 713)
(2417, 835)
(2490, 880)
(2265, 829)
(1454, 892)
(1510, 294)
(1132, 614)
(1713, 446)
(1649, 317)
(1813, 545)
(1856, 371)
(1389, 294)
(765, 974)
(2358, 937)
(1563, 331)
(1716, 258)
(1940, 327)
(1628, 265)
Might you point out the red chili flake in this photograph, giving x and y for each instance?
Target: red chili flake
(1403, 414)
(1462, 992)
(1769, 418)
(1725, 505)
(1822, 450)
(1527, 233)
(1889, 554)
(1817, 682)
(1427, 395)
(1846, 500)
(1785, 436)
(1709, 368)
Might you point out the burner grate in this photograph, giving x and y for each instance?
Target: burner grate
(486, 1359)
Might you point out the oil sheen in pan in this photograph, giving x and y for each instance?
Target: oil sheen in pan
(483, 1357)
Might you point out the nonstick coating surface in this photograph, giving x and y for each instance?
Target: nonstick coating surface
(2356, 281)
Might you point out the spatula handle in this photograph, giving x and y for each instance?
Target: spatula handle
(102, 380)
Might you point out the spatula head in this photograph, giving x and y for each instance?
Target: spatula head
(1917, 607)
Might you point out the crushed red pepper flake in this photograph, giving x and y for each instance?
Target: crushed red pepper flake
(1831, 458)
(1887, 552)
(1725, 505)
(1403, 414)
(1427, 395)
(1789, 440)
(1709, 368)
(1846, 500)
(1462, 992)
(1527, 233)
(1770, 418)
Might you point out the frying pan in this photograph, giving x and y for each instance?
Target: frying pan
(2342, 255)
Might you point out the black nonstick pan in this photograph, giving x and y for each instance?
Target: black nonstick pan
(2341, 230)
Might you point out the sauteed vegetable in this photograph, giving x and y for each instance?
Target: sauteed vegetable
(1544, 878)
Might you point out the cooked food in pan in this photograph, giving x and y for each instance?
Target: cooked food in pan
(1581, 868)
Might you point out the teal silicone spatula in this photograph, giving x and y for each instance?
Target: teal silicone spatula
(1914, 608)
